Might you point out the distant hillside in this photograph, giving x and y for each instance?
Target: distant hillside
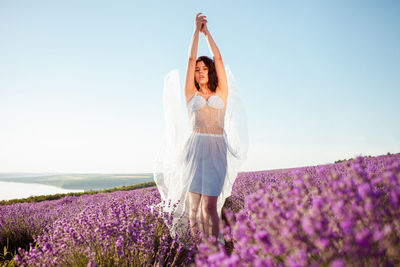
(90, 192)
(85, 181)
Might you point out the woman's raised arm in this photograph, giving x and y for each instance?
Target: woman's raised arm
(219, 65)
(190, 88)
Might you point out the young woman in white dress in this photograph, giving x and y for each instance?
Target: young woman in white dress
(201, 154)
(198, 83)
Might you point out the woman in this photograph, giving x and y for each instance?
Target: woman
(202, 154)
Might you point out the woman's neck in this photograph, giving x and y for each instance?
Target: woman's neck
(204, 90)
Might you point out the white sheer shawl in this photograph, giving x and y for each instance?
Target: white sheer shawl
(168, 170)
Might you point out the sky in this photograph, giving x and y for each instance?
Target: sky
(81, 81)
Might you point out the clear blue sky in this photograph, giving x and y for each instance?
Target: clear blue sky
(81, 81)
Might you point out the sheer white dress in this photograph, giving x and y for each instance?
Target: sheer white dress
(204, 146)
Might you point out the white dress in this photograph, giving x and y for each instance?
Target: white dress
(206, 149)
(202, 151)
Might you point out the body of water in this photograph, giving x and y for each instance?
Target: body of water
(11, 190)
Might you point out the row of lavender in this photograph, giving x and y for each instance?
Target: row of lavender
(94, 230)
(333, 214)
(345, 214)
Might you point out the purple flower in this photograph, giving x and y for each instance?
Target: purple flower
(337, 263)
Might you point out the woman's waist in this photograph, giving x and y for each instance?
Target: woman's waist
(208, 130)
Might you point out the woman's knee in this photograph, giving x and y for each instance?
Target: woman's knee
(194, 203)
(210, 209)
(193, 211)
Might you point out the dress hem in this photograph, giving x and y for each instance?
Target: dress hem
(205, 194)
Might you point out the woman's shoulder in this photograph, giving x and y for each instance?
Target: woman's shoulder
(190, 94)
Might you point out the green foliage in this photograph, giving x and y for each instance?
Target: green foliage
(7, 257)
(343, 160)
(350, 159)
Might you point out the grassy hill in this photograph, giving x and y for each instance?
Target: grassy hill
(85, 181)
(58, 196)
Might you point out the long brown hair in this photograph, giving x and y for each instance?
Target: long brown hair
(212, 74)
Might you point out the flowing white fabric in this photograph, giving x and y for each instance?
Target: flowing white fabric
(202, 150)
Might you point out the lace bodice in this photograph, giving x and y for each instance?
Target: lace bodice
(207, 116)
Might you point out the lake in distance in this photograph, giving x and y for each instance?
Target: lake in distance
(12, 190)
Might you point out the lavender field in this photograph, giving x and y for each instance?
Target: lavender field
(342, 214)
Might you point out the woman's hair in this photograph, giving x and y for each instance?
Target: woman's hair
(212, 74)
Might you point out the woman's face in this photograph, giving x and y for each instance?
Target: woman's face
(201, 73)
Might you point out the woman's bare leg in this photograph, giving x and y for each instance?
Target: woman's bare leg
(204, 219)
(194, 201)
(210, 214)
